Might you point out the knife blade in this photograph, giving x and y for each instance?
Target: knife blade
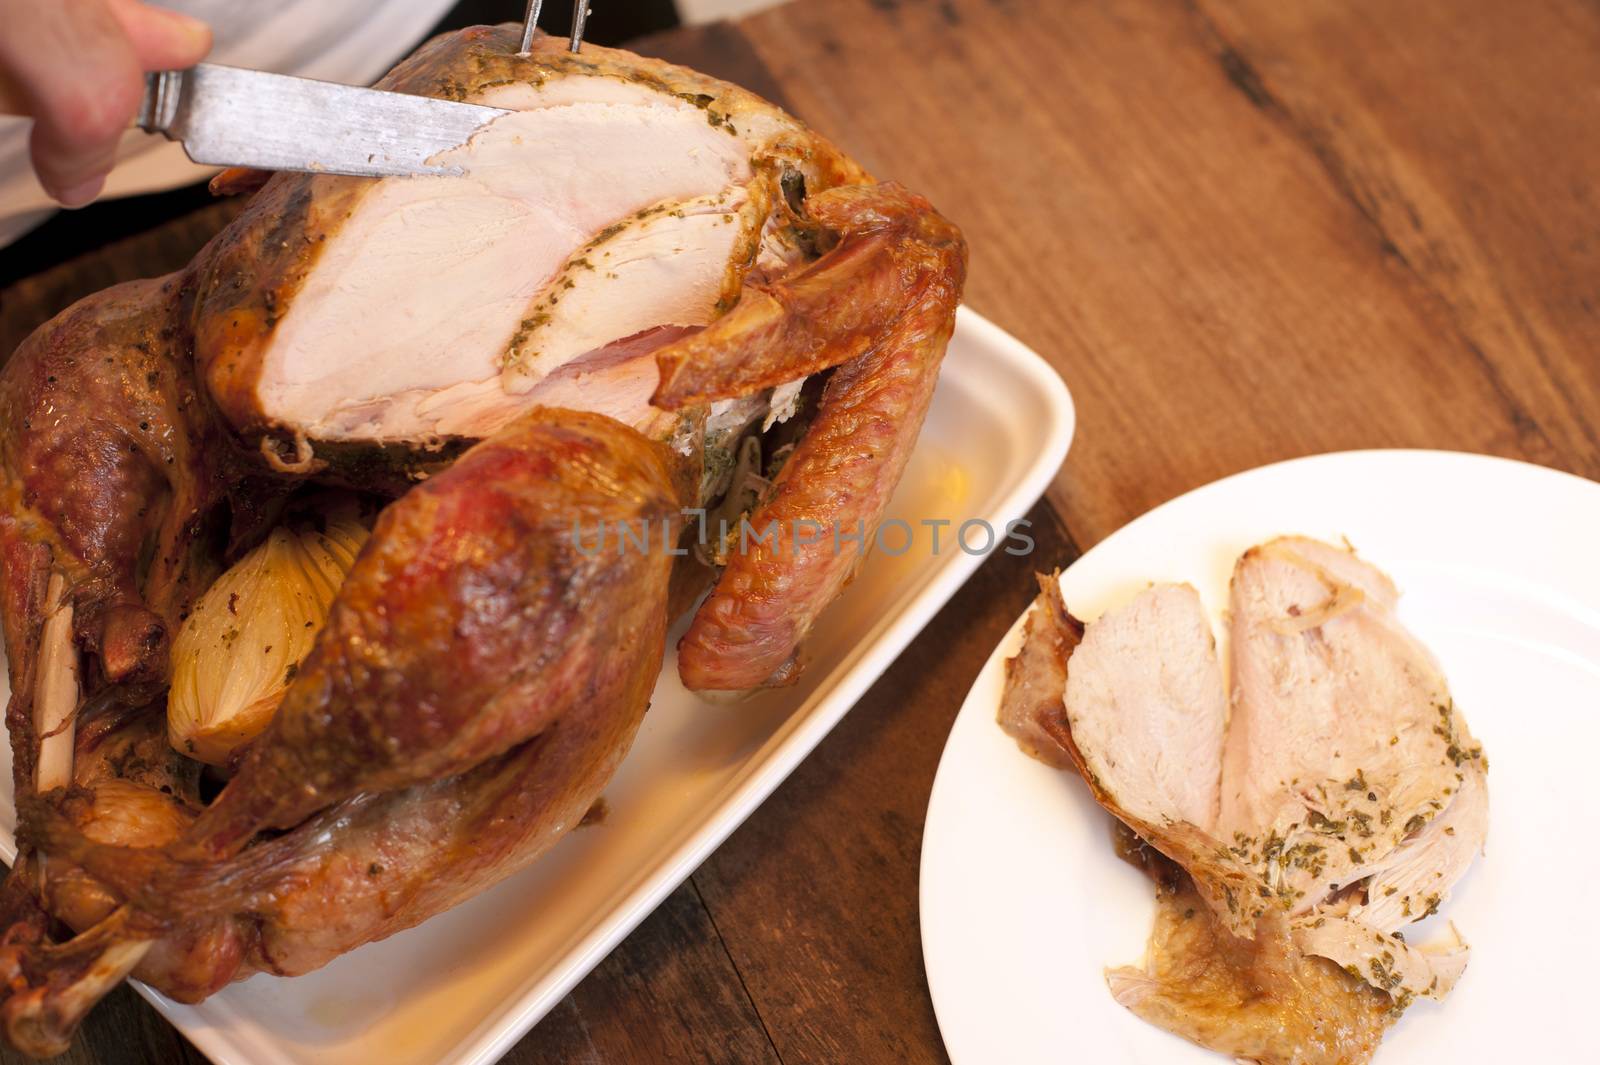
(229, 116)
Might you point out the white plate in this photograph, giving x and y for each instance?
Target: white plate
(466, 985)
(1024, 904)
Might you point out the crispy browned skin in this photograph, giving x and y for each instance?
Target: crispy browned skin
(387, 863)
(1032, 709)
(132, 790)
(841, 307)
(105, 454)
(473, 619)
(104, 457)
(839, 479)
(1256, 999)
(381, 862)
(482, 672)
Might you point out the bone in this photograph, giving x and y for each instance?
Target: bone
(56, 690)
(40, 1020)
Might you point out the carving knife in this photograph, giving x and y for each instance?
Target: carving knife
(229, 116)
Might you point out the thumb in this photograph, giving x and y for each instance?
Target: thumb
(162, 39)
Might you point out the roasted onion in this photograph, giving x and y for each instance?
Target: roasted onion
(244, 640)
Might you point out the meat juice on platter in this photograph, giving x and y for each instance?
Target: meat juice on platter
(1295, 816)
(303, 647)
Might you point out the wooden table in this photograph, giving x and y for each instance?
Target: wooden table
(1243, 230)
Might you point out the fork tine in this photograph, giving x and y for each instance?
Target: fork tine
(530, 22)
(580, 12)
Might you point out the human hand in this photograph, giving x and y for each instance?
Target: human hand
(77, 67)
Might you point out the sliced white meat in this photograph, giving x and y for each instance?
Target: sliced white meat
(1416, 879)
(1095, 703)
(1342, 564)
(666, 268)
(1340, 800)
(1386, 962)
(1147, 706)
(424, 288)
(1339, 744)
(616, 380)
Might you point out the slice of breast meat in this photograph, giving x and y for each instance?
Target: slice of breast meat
(1352, 784)
(1120, 706)
(1419, 874)
(1359, 928)
(1341, 743)
(1146, 706)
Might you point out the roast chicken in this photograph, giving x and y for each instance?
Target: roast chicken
(650, 300)
(1297, 814)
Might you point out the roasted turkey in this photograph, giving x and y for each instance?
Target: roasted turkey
(650, 300)
(1296, 816)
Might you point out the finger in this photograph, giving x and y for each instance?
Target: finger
(83, 83)
(12, 99)
(162, 39)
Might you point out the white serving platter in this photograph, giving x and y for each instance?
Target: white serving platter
(463, 987)
(1024, 905)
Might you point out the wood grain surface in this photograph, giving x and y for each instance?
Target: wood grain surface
(1242, 231)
